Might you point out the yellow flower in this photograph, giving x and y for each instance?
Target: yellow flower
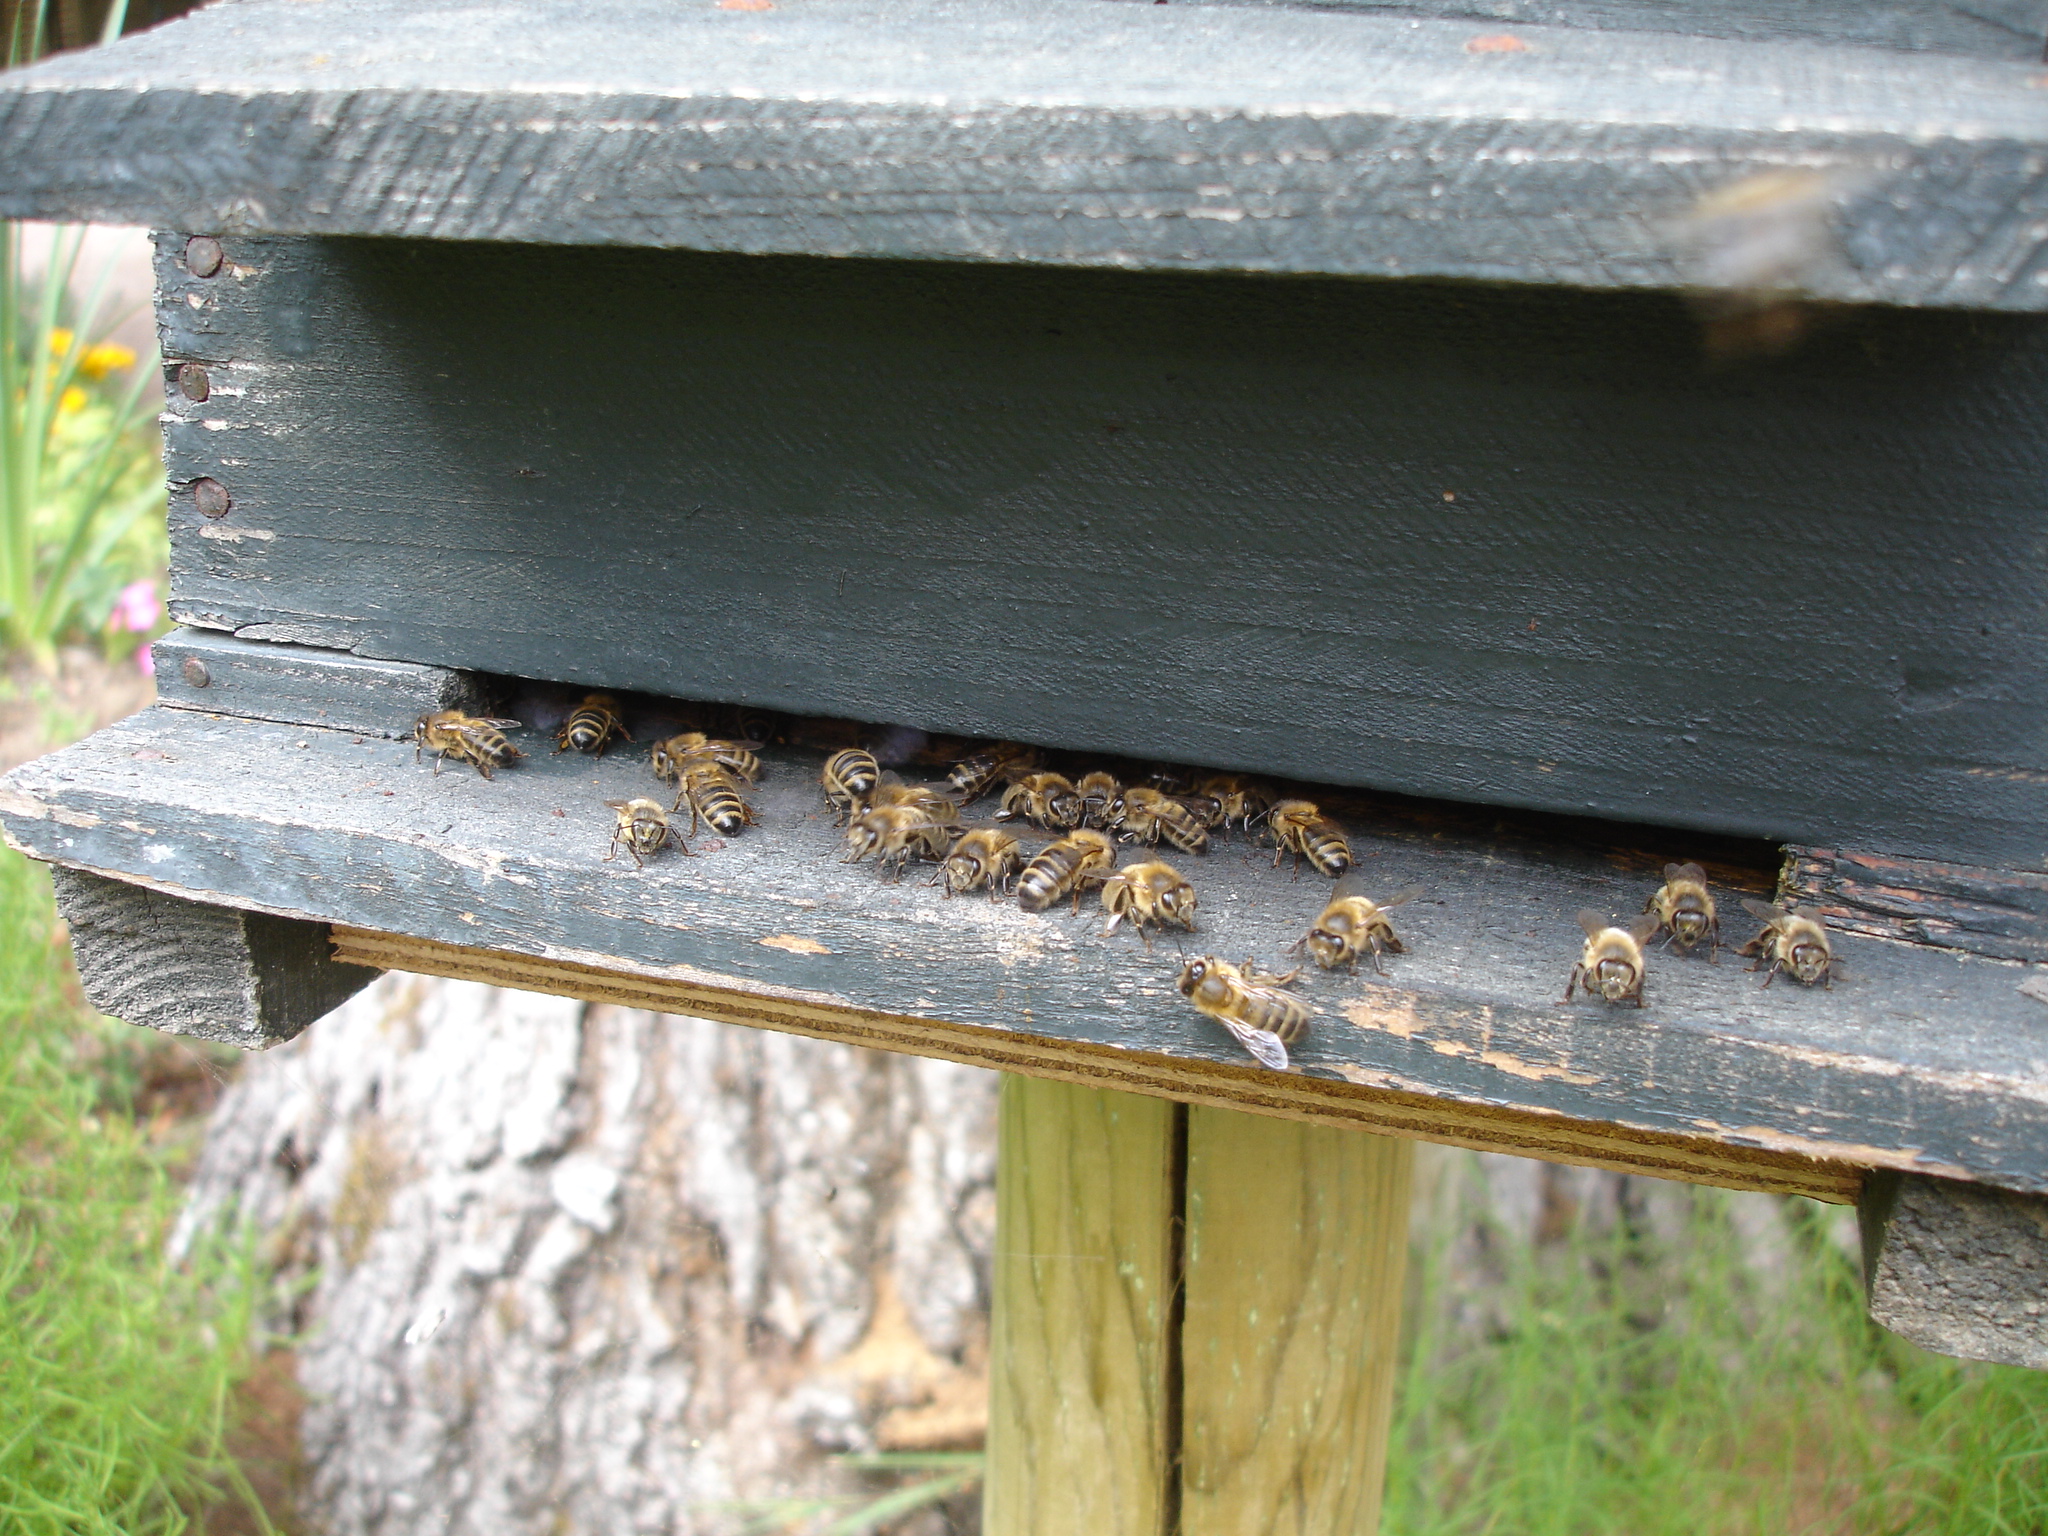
(73, 399)
(103, 359)
(60, 341)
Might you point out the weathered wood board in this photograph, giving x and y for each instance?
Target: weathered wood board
(1062, 131)
(1500, 546)
(1924, 1060)
(218, 673)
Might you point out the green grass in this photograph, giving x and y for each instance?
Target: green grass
(116, 1366)
(1624, 1390)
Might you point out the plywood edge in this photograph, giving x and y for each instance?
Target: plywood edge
(1314, 1100)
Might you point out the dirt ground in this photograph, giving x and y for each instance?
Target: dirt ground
(41, 712)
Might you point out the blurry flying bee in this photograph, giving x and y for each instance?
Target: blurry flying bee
(850, 777)
(1612, 962)
(1145, 815)
(1099, 792)
(1795, 942)
(1044, 799)
(1352, 925)
(669, 756)
(1237, 799)
(642, 828)
(713, 795)
(1152, 893)
(1685, 908)
(986, 856)
(1301, 829)
(975, 776)
(468, 739)
(895, 834)
(592, 725)
(936, 804)
(1248, 1003)
(1064, 868)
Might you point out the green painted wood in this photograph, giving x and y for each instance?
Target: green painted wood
(1069, 132)
(1204, 518)
(268, 680)
(1923, 1059)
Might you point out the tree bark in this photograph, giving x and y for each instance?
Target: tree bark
(558, 1267)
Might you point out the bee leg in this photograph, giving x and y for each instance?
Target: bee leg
(484, 769)
(1375, 959)
(1714, 942)
(1569, 985)
(1146, 936)
(438, 758)
(1772, 972)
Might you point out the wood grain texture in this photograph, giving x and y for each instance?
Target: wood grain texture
(1310, 1100)
(1082, 1313)
(215, 973)
(1054, 131)
(1958, 1269)
(268, 680)
(1997, 912)
(1927, 1060)
(1296, 1250)
(1759, 599)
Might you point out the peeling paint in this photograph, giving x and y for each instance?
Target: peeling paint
(794, 943)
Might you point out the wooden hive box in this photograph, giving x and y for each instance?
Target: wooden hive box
(1564, 447)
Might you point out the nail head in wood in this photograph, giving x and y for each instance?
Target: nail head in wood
(211, 497)
(194, 672)
(193, 383)
(203, 256)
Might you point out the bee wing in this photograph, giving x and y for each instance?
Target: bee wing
(1595, 923)
(1352, 884)
(617, 805)
(502, 725)
(1690, 872)
(890, 776)
(1645, 927)
(1402, 897)
(1762, 909)
(1812, 915)
(1265, 1046)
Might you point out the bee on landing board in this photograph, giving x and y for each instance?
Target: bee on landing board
(642, 829)
(1300, 828)
(889, 791)
(592, 725)
(972, 777)
(1099, 793)
(1612, 962)
(1065, 868)
(713, 796)
(670, 756)
(896, 834)
(1249, 1004)
(1353, 925)
(1237, 799)
(1046, 800)
(1153, 893)
(849, 778)
(1795, 942)
(1685, 909)
(984, 856)
(1145, 816)
(471, 739)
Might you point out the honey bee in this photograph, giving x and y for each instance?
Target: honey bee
(1237, 799)
(713, 796)
(670, 755)
(1301, 829)
(1044, 799)
(850, 777)
(642, 828)
(1248, 1003)
(1154, 892)
(468, 739)
(975, 776)
(1352, 925)
(1064, 868)
(1685, 907)
(896, 834)
(1146, 815)
(592, 725)
(1612, 962)
(1795, 942)
(986, 856)
(1099, 792)
(936, 804)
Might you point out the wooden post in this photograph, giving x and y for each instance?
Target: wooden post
(1196, 1312)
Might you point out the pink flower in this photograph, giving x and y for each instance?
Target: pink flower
(136, 608)
(145, 661)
